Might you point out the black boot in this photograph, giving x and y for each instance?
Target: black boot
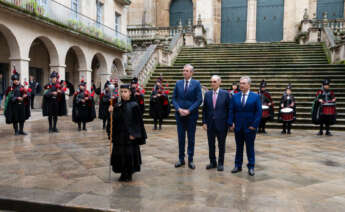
(55, 122)
(122, 177)
(15, 127)
(160, 124)
(328, 133)
(79, 126)
(50, 120)
(321, 130)
(289, 129)
(104, 123)
(155, 124)
(84, 126)
(21, 129)
(284, 129)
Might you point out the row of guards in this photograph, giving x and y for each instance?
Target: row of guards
(323, 109)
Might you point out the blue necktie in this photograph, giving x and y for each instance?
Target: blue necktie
(243, 103)
(186, 87)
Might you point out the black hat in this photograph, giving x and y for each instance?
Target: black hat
(82, 83)
(15, 75)
(134, 80)
(127, 86)
(326, 82)
(54, 74)
(289, 86)
(106, 84)
(263, 84)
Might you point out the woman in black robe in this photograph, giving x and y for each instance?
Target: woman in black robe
(54, 101)
(287, 101)
(128, 132)
(159, 104)
(83, 106)
(17, 104)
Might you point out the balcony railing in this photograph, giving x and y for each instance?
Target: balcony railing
(57, 13)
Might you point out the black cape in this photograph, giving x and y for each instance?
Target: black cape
(16, 111)
(83, 112)
(53, 105)
(159, 106)
(127, 120)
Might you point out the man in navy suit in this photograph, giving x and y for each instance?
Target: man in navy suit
(186, 100)
(244, 118)
(215, 113)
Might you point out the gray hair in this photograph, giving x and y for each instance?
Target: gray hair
(217, 77)
(246, 78)
(189, 66)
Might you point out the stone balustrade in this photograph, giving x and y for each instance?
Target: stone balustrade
(330, 32)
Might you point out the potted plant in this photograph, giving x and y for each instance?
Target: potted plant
(31, 5)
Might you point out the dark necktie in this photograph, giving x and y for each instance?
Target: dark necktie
(186, 87)
(243, 103)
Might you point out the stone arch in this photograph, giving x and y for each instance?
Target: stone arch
(98, 67)
(75, 60)
(43, 56)
(117, 68)
(11, 41)
(51, 47)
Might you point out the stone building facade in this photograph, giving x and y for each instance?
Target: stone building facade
(229, 21)
(78, 38)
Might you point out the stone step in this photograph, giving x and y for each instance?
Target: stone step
(273, 124)
(311, 65)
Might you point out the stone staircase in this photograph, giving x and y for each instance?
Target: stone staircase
(304, 66)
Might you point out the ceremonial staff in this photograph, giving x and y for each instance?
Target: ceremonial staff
(111, 109)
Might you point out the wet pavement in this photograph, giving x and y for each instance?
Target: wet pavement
(300, 172)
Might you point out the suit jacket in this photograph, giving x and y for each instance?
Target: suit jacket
(247, 116)
(190, 100)
(216, 117)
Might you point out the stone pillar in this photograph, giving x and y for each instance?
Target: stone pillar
(251, 21)
(104, 77)
(22, 67)
(86, 74)
(59, 69)
(312, 7)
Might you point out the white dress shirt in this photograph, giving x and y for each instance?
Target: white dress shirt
(246, 97)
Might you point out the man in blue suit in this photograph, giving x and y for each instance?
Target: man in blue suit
(215, 113)
(244, 118)
(186, 100)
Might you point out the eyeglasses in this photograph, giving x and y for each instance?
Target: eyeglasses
(213, 81)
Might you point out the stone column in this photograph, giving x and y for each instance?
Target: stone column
(22, 67)
(86, 74)
(251, 21)
(104, 77)
(59, 69)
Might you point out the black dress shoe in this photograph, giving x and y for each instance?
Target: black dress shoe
(220, 168)
(191, 165)
(320, 133)
(211, 166)
(122, 178)
(179, 164)
(283, 132)
(22, 133)
(288, 132)
(329, 134)
(50, 130)
(236, 169)
(251, 172)
(55, 130)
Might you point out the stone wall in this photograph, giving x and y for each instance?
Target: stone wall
(157, 14)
